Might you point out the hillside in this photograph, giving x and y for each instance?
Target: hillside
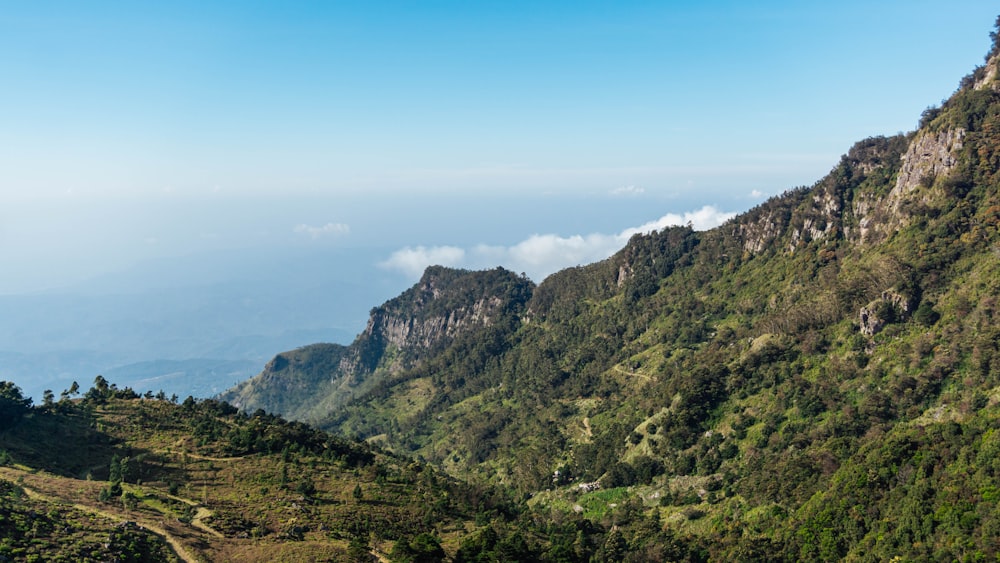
(116, 476)
(817, 379)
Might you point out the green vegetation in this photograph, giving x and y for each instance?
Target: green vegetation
(38, 530)
(818, 379)
(227, 486)
(812, 380)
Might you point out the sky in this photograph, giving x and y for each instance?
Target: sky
(535, 135)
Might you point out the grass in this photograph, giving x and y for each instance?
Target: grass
(288, 506)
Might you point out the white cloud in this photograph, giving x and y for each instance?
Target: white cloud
(541, 255)
(413, 261)
(329, 229)
(628, 191)
(701, 219)
(756, 194)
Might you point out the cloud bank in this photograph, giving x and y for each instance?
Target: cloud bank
(628, 191)
(413, 261)
(327, 230)
(541, 255)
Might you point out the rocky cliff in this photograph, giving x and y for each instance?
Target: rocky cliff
(444, 305)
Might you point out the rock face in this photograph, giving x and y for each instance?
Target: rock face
(758, 235)
(890, 307)
(444, 305)
(930, 155)
(852, 202)
(408, 331)
(988, 79)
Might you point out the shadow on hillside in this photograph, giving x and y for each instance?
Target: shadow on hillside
(65, 443)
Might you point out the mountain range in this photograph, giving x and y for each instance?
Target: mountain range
(817, 379)
(812, 376)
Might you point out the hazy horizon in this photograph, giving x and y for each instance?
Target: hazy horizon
(310, 161)
(137, 133)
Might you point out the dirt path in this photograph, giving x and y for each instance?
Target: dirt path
(201, 514)
(82, 496)
(198, 522)
(624, 371)
(198, 456)
(209, 458)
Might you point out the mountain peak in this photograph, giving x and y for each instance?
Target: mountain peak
(445, 305)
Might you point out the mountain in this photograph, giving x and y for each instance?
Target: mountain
(445, 307)
(816, 379)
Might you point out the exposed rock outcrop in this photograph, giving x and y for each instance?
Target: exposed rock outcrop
(989, 75)
(409, 332)
(890, 307)
(929, 156)
(758, 235)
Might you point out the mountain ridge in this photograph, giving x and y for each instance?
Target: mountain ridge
(391, 342)
(733, 382)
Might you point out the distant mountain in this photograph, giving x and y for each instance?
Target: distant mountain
(232, 307)
(817, 379)
(198, 378)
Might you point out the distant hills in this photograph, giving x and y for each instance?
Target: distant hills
(816, 379)
(201, 311)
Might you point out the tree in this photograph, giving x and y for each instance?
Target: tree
(615, 546)
(358, 550)
(100, 391)
(422, 548)
(129, 501)
(66, 394)
(13, 405)
(306, 487)
(115, 469)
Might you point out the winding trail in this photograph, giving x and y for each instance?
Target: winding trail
(74, 493)
(631, 373)
(198, 456)
(201, 513)
(198, 521)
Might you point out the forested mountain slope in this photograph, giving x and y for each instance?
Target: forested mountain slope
(817, 379)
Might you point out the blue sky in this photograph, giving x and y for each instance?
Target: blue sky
(136, 130)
